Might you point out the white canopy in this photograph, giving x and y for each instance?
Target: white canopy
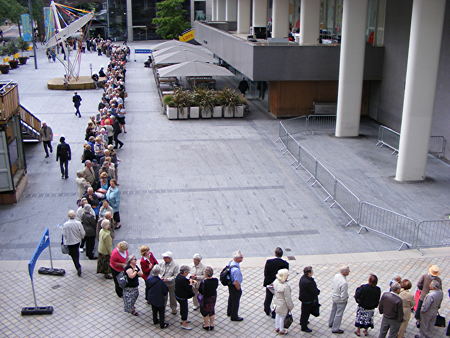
(193, 69)
(197, 49)
(169, 43)
(182, 56)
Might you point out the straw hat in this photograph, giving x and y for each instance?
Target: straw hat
(434, 270)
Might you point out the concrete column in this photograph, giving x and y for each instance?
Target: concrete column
(130, 20)
(259, 13)
(420, 87)
(243, 16)
(221, 10)
(351, 68)
(309, 22)
(231, 10)
(214, 10)
(280, 18)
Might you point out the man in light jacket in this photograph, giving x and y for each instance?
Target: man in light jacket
(46, 135)
(429, 310)
(340, 298)
(73, 232)
(169, 271)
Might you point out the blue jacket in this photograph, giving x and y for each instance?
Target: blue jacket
(155, 291)
(113, 197)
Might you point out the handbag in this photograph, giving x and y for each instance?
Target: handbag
(315, 310)
(122, 279)
(64, 248)
(288, 320)
(440, 321)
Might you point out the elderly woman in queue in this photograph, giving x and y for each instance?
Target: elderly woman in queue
(104, 249)
(113, 197)
(183, 291)
(131, 290)
(156, 292)
(117, 262)
(367, 296)
(283, 300)
(89, 224)
(208, 295)
(197, 274)
(148, 261)
(408, 306)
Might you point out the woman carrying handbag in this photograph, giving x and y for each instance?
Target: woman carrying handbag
(283, 301)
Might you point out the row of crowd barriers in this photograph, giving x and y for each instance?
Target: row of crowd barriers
(391, 139)
(367, 216)
(310, 124)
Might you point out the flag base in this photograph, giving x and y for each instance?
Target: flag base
(53, 272)
(39, 310)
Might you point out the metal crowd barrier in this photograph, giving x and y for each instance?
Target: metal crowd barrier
(391, 139)
(370, 217)
(322, 123)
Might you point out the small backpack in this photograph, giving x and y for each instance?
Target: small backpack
(225, 275)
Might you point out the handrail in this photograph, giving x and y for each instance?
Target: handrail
(30, 119)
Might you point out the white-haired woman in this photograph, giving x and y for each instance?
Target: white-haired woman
(283, 300)
(104, 249)
(131, 290)
(197, 274)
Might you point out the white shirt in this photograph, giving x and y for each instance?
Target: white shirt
(340, 289)
(73, 232)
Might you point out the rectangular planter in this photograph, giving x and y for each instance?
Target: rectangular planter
(228, 112)
(239, 112)
(194, 112)
(217, 112)
(172, 113)
(183, 113)
(206, 113)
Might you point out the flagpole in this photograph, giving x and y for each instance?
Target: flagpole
(30, 9)
(34, 293)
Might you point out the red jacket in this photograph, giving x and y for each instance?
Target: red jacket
(117, 259)
(145, 265)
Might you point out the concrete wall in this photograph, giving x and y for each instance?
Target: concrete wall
(391, 89)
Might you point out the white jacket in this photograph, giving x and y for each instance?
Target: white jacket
(283, 299)
(340, 289)
(73, 232)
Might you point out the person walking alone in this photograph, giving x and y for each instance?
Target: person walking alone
(76, 99)
(72, 234)
(270, 271)
(340, 298)
(46, 135)
(64, 155)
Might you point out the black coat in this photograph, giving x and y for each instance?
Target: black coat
(368, 296)
(155, 291)
(63, 152)
(271, 268)
(77, 100)
(308, 291)
(182, 287)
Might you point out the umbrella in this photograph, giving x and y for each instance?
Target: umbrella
(182, 56)
(191, 48)
(169, 43)
(191, 68)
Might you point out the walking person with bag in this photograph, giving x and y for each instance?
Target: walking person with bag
(309, 296)
(131, 289)
(72, 234)
(156, 292)
(207, 296)
(117, 263)
(283, 301)
(368, 297)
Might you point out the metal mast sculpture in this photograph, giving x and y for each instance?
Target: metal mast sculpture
(74, 26)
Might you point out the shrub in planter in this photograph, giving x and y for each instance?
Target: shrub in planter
(13, 64)
(171, 109)
(23, 60)
(230, 100)
(4, 69)
(206, 100)
(194, 108)
(181, 99)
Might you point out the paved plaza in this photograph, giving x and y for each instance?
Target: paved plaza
(207, 186)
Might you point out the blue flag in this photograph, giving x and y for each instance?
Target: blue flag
(27, 33)
(44, 243)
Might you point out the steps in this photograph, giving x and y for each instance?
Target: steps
(29, 124)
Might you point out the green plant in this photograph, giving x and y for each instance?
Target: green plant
(205, 98)
(168, 100)
(230, 98)
(22, 44)
(181, 98)
(11, 48)
(170, 19)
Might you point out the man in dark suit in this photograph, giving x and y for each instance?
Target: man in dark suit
(76, 99)
(391, 307)
(64, 155)
(309, 296)
(270, 271)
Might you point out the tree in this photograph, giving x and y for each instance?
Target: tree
(11, 10)
(170, 19)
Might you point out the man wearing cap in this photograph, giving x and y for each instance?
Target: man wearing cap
(169, 271)
(234, 289)
(429, 310)
(64, 155)
(46, 135)
(424, 286)
(76, 99)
